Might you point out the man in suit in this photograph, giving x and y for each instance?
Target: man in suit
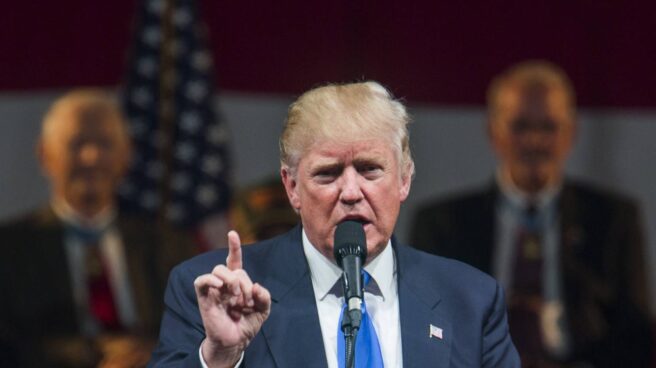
(345, 155)
(76, 272)
(570, 256)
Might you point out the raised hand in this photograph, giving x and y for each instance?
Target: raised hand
(232, 307)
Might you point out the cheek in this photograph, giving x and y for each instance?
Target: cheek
(508, 146)
(386, 203)
(319, 195)
(64, 169)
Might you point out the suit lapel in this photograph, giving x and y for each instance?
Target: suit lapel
(51, 255)
(572, 232)
(293, 332)
(141, 271)
(578, 269)
(486, 228)
(418, 303)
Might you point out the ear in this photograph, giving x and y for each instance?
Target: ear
(42, 156)
(291, 187)
(488, 129)
(406, 181)
(492, 130)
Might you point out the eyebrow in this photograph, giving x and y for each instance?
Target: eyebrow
(368, 159)
(326, 166)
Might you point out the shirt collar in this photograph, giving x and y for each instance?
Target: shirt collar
(68, 215)
(325, 273)
(519, 199)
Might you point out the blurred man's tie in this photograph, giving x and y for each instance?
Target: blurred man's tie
(101, 298)
(99, 291)
(526, 302)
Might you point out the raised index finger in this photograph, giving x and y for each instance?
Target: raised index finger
(233, 262)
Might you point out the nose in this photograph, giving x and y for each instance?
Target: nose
(536, 138)
(533, 138)
(89, 154)
(351, 192)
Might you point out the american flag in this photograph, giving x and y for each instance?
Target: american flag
(181, 167)
(435, 332)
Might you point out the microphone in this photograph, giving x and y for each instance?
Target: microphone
(350, 251)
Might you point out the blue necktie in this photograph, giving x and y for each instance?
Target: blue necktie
(367, 348)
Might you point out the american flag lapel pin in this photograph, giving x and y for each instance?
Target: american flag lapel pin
(434, 332)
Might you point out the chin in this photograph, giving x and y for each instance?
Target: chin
(535, 184)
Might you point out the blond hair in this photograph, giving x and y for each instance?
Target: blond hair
(345, 112)
(529, 75)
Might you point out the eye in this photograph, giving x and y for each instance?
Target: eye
(370, 171)
(104, 143)
(548, 127)
(326, 174)
(520, 126)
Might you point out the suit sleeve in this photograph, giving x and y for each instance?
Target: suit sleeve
(635, 262)
(630, 341)
(498, 348)
(181, 331)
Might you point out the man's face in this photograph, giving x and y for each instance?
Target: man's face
(348, 181)
(532, 134)
(85, 158)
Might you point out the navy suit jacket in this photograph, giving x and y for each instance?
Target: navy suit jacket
(467, 304)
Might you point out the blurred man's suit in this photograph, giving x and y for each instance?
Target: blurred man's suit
(38, 307)
(601, 255)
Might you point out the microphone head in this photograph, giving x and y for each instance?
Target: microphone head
(349, 240)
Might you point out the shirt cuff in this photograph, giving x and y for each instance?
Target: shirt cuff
(204, 365)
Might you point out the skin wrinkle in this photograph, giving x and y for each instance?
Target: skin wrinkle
(337, 180)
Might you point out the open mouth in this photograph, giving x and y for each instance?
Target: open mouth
(356, 218)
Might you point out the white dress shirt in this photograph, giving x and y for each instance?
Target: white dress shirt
(383, 309)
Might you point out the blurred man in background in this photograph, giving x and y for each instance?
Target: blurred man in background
(81, 283)
(570, 256)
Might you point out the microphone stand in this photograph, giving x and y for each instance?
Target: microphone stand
(350, 326)
(350, 251)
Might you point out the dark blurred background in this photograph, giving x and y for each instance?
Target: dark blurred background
(437, 56)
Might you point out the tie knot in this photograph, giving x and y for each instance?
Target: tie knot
(369, 283)
(366, 277)
(87, 235)
(531, 217)
(531, 210)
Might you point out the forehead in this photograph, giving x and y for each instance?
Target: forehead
(537, 102)
(75, 121)
(333, 151)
